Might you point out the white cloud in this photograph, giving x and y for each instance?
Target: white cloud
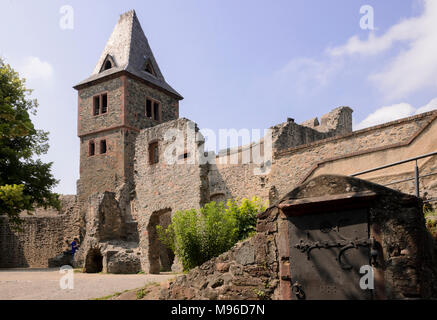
(33, 69)
(411, 69)
(394, 112)
(386, 114)
(432, 105)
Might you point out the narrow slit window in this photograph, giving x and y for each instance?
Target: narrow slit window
(148, 108)
(92, 148)
(156, 111)
(96, 105)
(104, 103)
(153, 153)
(186, 155)
(103, 146)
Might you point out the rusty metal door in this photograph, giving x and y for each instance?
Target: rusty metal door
(327, 251)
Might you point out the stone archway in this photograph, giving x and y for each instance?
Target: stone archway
(94, 261)
(160, 256)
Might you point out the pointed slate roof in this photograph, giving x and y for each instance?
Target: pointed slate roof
(129, 50)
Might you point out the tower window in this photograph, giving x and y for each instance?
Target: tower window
(108, 65)
(96, 105)
(148, 108)
(153, 109)
(156, 111)
(102, 146)
(92, 148)
(149, 69)
(153, 153)
(100, 104)
(104, 103)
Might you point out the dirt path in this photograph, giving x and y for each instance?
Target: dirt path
(44, 284)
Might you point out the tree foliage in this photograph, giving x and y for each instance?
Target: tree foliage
(196, 236)
(25, 182)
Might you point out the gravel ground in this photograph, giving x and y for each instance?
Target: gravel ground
(44, 284)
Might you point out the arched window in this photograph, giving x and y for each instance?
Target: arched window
(108, 65)
(149, 69)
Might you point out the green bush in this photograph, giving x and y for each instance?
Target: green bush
(198, 236)
(431, 222)
(246, 214)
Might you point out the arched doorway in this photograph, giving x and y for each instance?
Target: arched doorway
(94, 261)
(160, 256)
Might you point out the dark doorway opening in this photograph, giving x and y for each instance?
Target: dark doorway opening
(160, 256)
(94, 261)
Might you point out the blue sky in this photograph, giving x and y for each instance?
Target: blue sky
(239, 64)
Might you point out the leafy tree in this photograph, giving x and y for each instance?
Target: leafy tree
(25, 182)
(198, 236)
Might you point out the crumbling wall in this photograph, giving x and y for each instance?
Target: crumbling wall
(249, 271)
(107, 245)
(338, 122)
(245, 179)
(162, 187)
(43, 237)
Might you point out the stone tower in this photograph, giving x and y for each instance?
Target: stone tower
(125, 93)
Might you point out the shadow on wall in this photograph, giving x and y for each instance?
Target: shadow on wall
(161, 258)
(11, 248)
(218, 190)
(94, 261)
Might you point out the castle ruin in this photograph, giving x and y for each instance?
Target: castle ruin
(126, 188)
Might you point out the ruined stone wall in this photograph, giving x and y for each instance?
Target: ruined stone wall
(364, 149)
(249, 271)
(43, 237)
(338, 121)
(245, 180)
(229, 181)
(259, 268)
(164, 187)
(110, 244)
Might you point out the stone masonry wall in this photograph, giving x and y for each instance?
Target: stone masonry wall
(242, 180)
(259, 268)
(137, 93)
(293, 166)
(249, 271)
(164, 187)
(44, 236)
(87, 122)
